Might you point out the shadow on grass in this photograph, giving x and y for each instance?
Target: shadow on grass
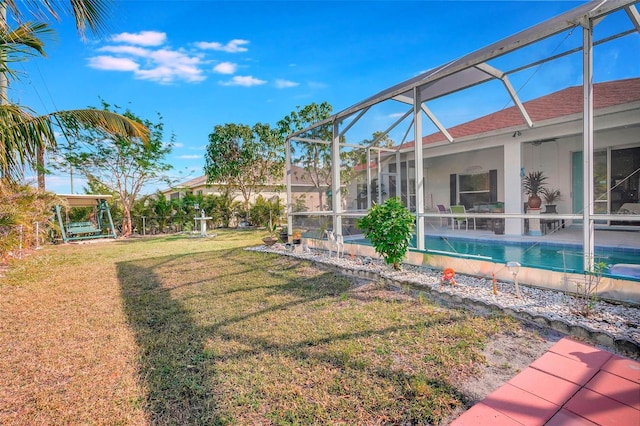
(171, 368)
(178, 374)
(178, 305)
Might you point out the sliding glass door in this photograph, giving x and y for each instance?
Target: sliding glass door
(616, 175)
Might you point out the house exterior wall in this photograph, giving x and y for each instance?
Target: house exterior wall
(547, 147)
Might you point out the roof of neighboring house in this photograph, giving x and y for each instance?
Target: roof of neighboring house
(299, 176)
(558, 104)
(199, 181)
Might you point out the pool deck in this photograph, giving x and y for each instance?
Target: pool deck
(571, 384)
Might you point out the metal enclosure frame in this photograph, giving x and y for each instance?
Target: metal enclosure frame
(460, 74)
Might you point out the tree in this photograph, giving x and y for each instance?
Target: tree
(163, 210)
(244, 158)
(267, 212)
(225, 208)
(314, 157)
(124, 165)
(24, 136)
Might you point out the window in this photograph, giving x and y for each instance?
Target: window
(474, 188)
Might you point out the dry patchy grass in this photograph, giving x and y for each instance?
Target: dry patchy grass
(198, 331)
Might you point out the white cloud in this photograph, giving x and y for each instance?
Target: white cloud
(396, 115)
(246, 81)
(190, 157)
(234, 46)
(126, 50)
(143, 38)
(147, 56)
(225, 68)
(162, 65)
(284, 84)
(178, 145)
(112, 63)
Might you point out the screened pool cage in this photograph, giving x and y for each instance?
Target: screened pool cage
(429, 156)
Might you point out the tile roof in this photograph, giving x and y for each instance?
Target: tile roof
(198, 181)
(558, 104)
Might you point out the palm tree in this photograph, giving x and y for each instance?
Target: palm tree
(24, 135)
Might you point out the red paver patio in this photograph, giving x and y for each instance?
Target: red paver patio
(571, 384)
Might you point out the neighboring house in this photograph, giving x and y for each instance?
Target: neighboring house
(307, 198)
(199, 186)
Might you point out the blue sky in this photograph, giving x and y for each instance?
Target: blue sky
(203, 63)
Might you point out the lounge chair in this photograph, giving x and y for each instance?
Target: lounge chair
(443, 209)
(460, 210)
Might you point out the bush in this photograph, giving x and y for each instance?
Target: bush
(21, 207)
(389, 227)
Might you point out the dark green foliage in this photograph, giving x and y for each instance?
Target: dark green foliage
(389, 227)
(266, 212)
(534, 182)
(244, 158)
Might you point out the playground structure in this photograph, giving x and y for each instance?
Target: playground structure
(99, 225)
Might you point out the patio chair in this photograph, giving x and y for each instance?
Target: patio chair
(443, 209)
(463, 218)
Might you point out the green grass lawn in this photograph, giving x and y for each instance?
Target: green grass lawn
(179, 330)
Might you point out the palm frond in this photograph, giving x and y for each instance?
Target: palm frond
(107, 121)
(28, 34)
(90, 14)
(19, 44)
(23, 134)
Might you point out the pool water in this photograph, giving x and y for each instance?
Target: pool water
(557, 257)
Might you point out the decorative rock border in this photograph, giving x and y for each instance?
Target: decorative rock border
(617, 328)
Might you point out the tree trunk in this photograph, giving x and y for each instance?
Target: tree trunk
(40, 168)
(126, 221)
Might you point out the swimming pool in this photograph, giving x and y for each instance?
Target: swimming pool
(555, 257)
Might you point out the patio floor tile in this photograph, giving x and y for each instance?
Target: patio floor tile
(572, 384)
(521, 406)
(569, 369)
(602, 410)
(578, 351)
(567, 418)
(544, 385)
(483, 415)
(582, 352)
(615, 387)
(623, 367)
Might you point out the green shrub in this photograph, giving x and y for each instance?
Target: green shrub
(389, 227)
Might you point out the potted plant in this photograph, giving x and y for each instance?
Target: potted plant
(533, 184)
(284, 235)
(550, 197)
(296, 237)
(270, 239)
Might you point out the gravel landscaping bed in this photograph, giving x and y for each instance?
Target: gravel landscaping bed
(613, 326)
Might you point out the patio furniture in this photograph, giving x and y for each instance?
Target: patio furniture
(629, 208)
(443, 209)
(460, 210)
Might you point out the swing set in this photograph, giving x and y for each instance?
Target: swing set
(98, 225)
